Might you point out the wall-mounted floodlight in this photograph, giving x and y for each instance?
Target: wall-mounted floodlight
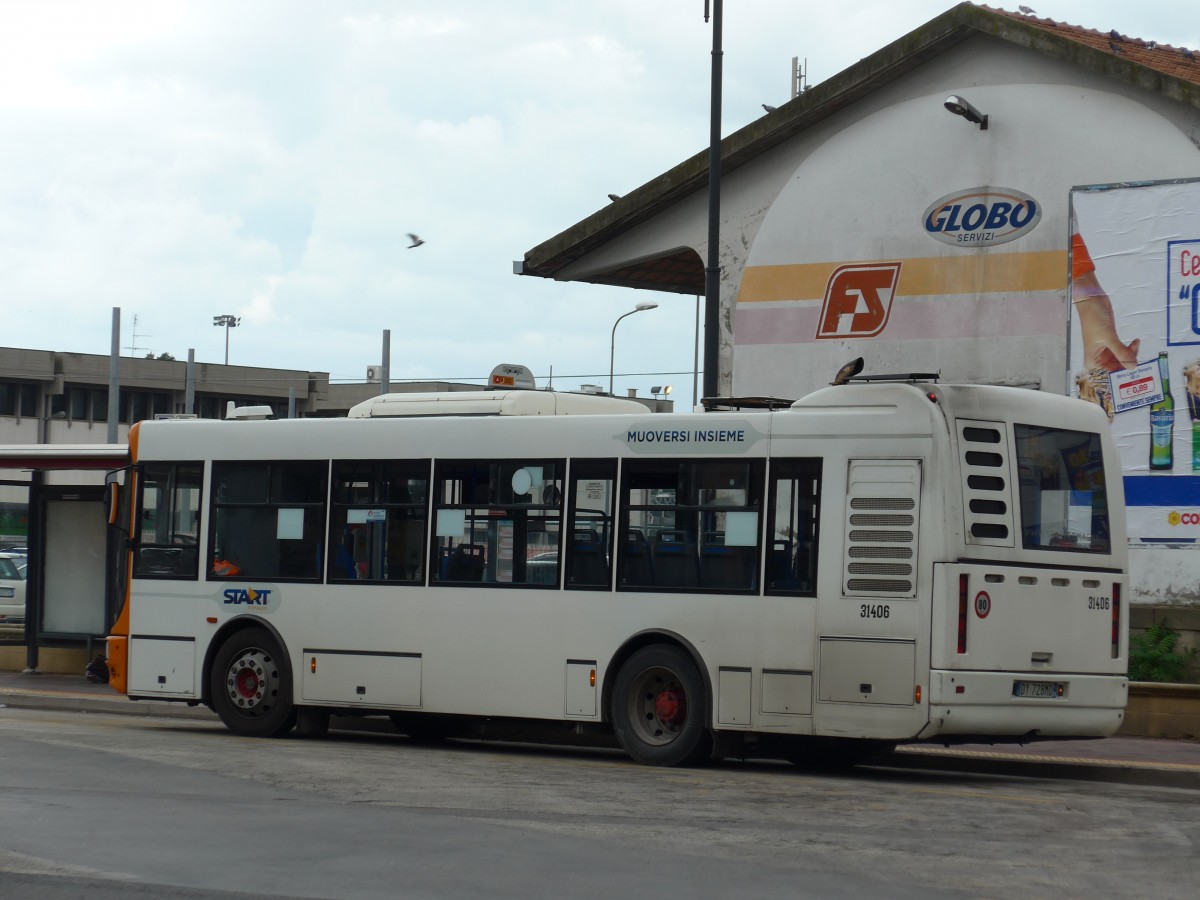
(960, 107)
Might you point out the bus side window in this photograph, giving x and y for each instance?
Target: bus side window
(691, 524)
(497, 522)
(377, 521)
(795, 503)
(268, 520)
(590, 528)
(167, 542)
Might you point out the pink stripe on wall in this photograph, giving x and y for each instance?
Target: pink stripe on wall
(912, 319)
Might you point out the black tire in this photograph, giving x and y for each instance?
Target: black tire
(251, 685)
(659, 708)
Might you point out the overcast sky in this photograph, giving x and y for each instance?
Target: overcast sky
(183, 160)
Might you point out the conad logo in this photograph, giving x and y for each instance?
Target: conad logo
(1188, 518)
(981, 216)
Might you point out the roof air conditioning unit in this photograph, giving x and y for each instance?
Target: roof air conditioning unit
(374, 374)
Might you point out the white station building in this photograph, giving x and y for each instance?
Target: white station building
(914, 210)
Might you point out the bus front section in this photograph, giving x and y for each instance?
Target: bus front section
(1030, 621)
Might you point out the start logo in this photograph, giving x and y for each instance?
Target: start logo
(247, 596)
(981, 216)
(858, 300)
(1174, 517)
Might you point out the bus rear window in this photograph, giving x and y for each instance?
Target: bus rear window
(1064, 500)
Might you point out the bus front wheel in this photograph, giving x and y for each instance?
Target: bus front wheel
(658, 708)
(252, 685)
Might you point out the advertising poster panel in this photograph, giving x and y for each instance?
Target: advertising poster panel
(1135, 342)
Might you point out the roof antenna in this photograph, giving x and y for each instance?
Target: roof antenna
(848, 371)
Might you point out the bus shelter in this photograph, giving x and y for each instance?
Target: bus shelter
(69, 600)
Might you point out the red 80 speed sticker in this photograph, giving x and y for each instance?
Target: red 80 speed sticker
(983, 604)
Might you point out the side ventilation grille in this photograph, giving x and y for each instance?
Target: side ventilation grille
(881, 528)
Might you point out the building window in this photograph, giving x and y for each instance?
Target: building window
(18, 399)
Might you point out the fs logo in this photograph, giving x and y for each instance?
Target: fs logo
(858, 300)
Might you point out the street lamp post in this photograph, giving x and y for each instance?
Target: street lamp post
(226, 322)
(612, 352)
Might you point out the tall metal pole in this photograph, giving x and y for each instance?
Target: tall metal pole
(189, 394)
(696, 357)
(114, 375)
(612, 345)
(385, 371)
(712, 273)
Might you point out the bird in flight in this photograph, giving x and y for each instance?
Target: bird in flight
(414, 241)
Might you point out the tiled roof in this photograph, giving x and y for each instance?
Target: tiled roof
(1177, 62)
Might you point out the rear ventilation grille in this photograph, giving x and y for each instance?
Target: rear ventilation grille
(881, 528)
(986, 474)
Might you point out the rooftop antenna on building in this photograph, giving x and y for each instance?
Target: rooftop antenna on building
(133, 347)
(799, 76)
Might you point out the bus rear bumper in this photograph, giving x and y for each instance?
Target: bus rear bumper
(973, 703)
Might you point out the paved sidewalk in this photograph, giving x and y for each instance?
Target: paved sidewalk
(1126, 760)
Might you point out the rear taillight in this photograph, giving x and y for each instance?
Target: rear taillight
(962, 613)
(1116, 621)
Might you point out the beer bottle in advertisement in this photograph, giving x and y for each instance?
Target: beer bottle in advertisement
(1162, 421)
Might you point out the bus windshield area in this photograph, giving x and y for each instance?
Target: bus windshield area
(1064, 499)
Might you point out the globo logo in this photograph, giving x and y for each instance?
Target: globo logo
(981, 216)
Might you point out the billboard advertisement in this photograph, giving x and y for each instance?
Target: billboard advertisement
(1135, 342)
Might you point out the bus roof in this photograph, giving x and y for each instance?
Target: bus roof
(494, 403)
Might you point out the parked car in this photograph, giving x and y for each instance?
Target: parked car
(13, 567)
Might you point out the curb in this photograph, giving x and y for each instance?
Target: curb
(1172, 775)
(910, 757)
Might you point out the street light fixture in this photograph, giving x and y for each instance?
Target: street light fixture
(226, 322)
(612, 352)
(961, 107)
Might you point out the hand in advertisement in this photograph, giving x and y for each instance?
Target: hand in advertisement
(1103, 349)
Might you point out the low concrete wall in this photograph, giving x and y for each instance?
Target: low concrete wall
(1184, 618)
(51, 660)
(1162, 711)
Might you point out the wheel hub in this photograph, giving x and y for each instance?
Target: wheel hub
(250, 681)
(670, 707)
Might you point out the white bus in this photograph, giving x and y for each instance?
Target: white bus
(879, 562)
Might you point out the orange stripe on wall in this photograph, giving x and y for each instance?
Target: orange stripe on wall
(1045, 270)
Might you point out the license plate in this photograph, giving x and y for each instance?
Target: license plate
(8, 592)
(1045, 690)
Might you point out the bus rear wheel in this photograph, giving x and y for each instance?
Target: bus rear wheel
(251, 685)
(658, 708)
